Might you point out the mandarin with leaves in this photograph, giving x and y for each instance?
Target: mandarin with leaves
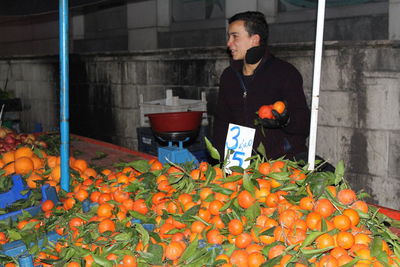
(324, 207)
(346, 196)
(245, 199)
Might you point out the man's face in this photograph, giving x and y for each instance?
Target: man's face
(239, 40)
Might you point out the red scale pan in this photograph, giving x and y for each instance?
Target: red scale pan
(175, 127)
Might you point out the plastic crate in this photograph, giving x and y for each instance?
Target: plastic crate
(8, 198)
(18, 248)
(172, 104)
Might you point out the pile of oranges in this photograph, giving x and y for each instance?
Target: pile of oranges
(272, 214)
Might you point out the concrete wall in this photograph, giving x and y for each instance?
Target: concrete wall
(155, 24)
(359, 114)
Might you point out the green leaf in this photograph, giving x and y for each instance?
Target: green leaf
(248, 184)
(272, 262)
(253, 212)
(155, 254)
(310, 238)
(122, 237)
(190, 250)
(212, 150)
(339, 172)
(144, 234)
(139, 216)
(191, 212)
(261, 150)
(280, 176)
(351, 263)
(140, 165)
(269, 232)
(102, 261)
(237, 169)
(315, 251)
(222, 190)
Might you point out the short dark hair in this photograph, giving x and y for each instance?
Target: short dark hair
(255, 23)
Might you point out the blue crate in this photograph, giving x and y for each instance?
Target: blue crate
(8, 198)
(18, 248)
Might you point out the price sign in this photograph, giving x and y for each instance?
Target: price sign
(239, 139)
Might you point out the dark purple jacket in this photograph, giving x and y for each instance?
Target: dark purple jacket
(273, 80)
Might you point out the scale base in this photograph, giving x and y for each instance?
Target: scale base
(176, 155)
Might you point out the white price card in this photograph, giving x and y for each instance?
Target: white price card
(239, 139)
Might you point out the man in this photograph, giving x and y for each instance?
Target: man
(255, 78)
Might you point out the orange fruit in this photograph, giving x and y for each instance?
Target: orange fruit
(324, 241)
(81, 195)
(8, 157)
(276, 251)
(264, 168)
(261, 194)
(23, 152)
(328, 260)
(215, 206)
(272, 200)
(214, 237)
(278, 166)
(106, 225)
(30, 181)
(196, 174)
(346, 196)
(205, 192)
(197, 227)
(352, 215)
(37, 162)
(362, 238)
(243, 240)
(79, 165)
(73, 264)
(239, 257)
(296, 236)
(279, 106)
(344, 259)
(47, 205)
(306, 203)
(287, 218)
(342, 222)
(23, 165)
(156, 166)
(56, 173)
(75, 222)
(245, 199)
(265, 112)
(338, 252)
(360, 205)
(105, 210)
(174, 250)
(324, 207)
(345, 240)
(3, 238)
(313, 220)
(235, 227)
(255, 259)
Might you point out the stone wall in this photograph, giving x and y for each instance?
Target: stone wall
(359, 113)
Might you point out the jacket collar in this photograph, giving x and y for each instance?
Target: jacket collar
(237, 65)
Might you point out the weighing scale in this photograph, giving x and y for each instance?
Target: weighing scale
(175, 128)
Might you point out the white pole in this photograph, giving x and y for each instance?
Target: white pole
(316, 83)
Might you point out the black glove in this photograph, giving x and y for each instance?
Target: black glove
(280, 121)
